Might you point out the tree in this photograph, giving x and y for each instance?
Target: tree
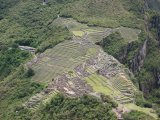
(30, 72)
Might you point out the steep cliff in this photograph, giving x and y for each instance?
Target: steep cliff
(137, 62)
(155, 26)
(131, 53)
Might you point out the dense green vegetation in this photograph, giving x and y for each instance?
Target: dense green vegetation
(148, 75)
(113, 44)
(135, 115)
(140, 101)
(60, 108)
(82, 108)
(27, 23)
(14, 90)
(30, 23)
(29, 73)
(5, 5)
(10, 58)
(108, 13)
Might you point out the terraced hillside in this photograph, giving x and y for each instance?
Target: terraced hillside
(79, 67)
(66, 46)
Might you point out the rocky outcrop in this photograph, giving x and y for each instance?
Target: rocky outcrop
(124, 52)
(138, 60)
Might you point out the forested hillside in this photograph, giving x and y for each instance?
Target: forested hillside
(67, 36)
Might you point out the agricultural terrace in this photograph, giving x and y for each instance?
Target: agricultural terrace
(79, 66)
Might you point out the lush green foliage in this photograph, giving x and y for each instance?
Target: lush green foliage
(135, 6)
(135, 115)
(147, 76)
(113, 44)
(29, 73)
(60, 108)
(10, 58)
(144, 103)
(5, 5)
(14, 91)
(108, 99)
(30, 23)
(108, 13)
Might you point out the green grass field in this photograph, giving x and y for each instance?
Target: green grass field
(128, 34)
(99, 84)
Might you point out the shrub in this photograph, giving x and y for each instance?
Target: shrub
(147, 104)
(108, 99)
(25, 42)
(14, 45)
(1, 17)
(158, 112)
(30, 72)
(83, 108)
(140, 101)
(10, 58)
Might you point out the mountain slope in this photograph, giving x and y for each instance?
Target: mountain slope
(108, 13)
(67, 59)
